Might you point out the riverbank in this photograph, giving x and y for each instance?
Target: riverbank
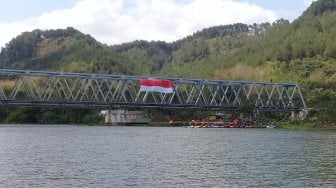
(304, 126)
(279, 125)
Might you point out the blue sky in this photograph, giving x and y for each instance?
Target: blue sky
(117, 21)
(12, 10)
(288, 9)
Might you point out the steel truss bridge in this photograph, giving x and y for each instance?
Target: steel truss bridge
(25, 88)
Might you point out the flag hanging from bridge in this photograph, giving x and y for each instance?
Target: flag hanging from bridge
(154, 85)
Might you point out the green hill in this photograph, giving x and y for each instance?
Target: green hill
(303, 51)
(71, 50)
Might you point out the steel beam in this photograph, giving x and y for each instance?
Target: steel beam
(83, 90)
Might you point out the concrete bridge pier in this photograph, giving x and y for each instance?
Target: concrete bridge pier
(108, 117)
(125, 117)
(299, 114)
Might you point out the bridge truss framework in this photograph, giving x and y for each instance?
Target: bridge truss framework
(58, 89)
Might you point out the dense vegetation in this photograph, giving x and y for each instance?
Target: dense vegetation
(303, 51)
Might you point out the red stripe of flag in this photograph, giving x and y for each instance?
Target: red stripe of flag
(161, 83)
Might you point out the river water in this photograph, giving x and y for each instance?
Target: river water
(82, 156)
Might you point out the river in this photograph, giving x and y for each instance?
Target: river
(98, 156)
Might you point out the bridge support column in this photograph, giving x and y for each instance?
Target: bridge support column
(124, 117)
(108, 117)
(298, 115)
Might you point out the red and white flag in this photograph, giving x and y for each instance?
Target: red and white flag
(162, 86)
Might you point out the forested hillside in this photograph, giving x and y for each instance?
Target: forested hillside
(70, 50)
(303, 51)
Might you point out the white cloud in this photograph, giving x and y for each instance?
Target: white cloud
(117, 21)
